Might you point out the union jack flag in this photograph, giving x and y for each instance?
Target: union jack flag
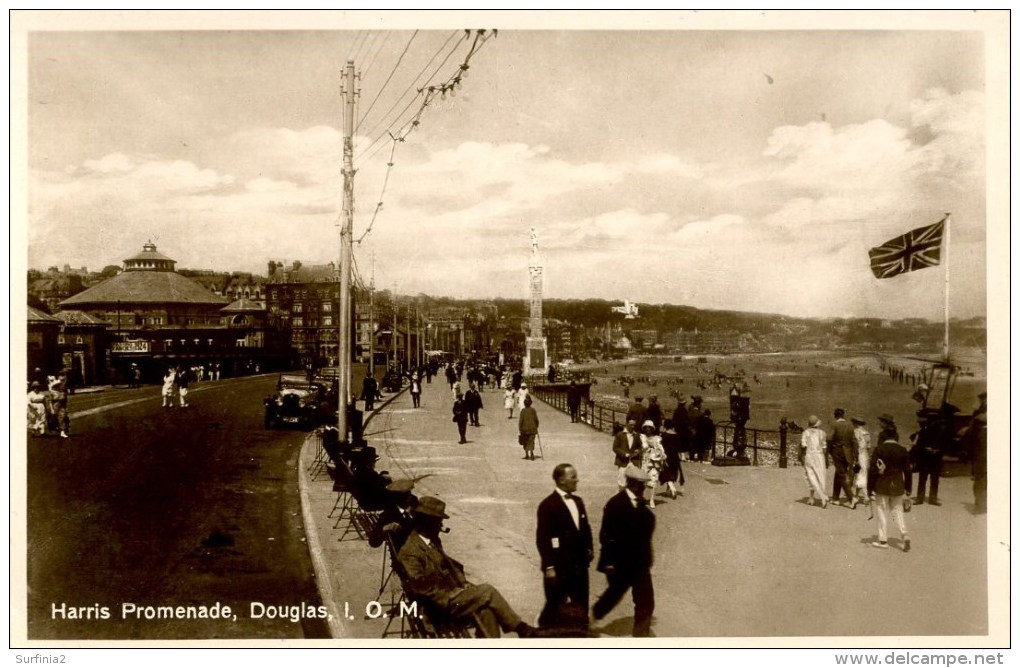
(914, 250)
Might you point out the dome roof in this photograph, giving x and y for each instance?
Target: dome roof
(149, 252)
(145, 287)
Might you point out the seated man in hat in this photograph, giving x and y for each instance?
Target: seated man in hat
(369, 484)
(397, 519)
(439, 579)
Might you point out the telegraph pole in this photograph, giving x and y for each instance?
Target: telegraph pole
(346, 238)
(371, 321)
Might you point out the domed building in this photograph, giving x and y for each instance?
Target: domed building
(158, 317)
(148, 294)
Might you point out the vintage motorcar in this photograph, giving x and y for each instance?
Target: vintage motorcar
(299, 402)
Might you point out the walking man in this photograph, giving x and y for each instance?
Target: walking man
(926, 457)
(181, 380)
(415, 390)
(889, 490)
(843, 450)
(460, 416)
(369, 391)
(626, 554)
(564, 541)
(574, 401)
(627, 450)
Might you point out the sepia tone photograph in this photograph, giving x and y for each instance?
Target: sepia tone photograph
(567, 329)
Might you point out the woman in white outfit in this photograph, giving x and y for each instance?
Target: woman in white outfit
(509, 401)
(522, 394)
(863, 439)
(652, 458)
(168, 388)
(812, 452)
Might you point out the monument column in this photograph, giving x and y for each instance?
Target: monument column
(536, 357)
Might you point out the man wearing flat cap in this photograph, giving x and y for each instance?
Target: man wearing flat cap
(439, 579)
(626, 554)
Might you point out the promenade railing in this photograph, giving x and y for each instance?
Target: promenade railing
(764, 447)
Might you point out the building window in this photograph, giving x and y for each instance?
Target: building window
(298, 321)
(210, 341)
(78, 340)
(273, 295)
(297, 307)
(241, 343)
(327, 306)
(327, 321)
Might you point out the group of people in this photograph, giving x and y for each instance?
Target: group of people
(175, 384)
(47, 408)
(565, 542)
(881, 472)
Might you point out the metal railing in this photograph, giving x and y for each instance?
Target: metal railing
(765, 447)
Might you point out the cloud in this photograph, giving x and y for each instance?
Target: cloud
(785, 229)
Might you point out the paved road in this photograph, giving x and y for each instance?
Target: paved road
(162, 507)
(739, 555)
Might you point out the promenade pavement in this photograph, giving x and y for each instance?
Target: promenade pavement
(741, 554)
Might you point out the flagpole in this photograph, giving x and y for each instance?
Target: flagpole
(945, 340)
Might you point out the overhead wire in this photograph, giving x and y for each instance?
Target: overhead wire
(425, 91)
(388, 79)
(369, 35)
(410, 86)
(357, 38)
(372, 58)
(450, 85)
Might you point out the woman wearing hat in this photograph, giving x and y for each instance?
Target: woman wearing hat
(812, 454)
(36, 409)
(527, 425)
(509, 401)
(652, 459)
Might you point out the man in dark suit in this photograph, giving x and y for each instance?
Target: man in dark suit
(626, 555)
(439, 579)
(626, 449)
(369, 391)
(565, 544)
(843, 450)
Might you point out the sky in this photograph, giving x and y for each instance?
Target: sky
(738, 169)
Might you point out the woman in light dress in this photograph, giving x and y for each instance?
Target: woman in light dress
(509, 401)
(36, 409)
(812, 452)
(168, 388)
(653, 457)
(522, 394)
(863, 458)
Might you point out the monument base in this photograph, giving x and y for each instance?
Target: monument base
(536, 358)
